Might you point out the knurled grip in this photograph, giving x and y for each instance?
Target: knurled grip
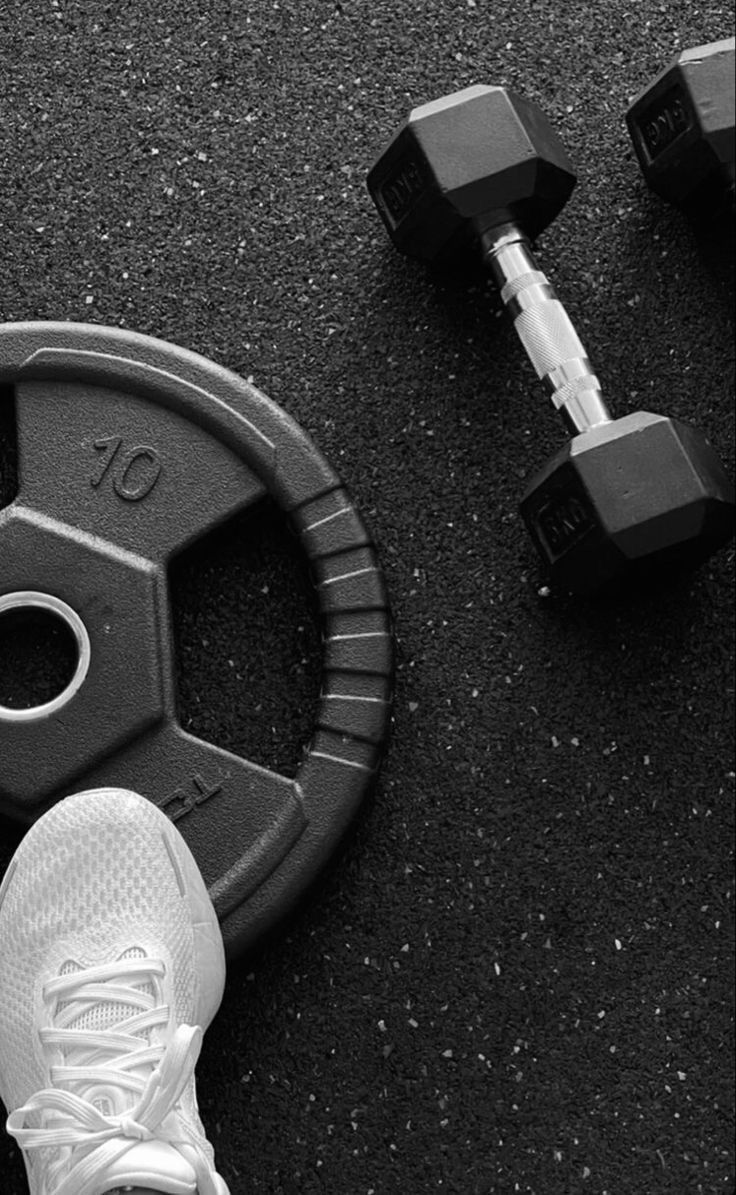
(545, 330)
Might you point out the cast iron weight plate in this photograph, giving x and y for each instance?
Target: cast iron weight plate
(129, 449)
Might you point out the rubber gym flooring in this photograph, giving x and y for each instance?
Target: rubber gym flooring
(517, 974)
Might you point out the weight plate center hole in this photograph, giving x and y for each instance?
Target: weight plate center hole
(44, 655)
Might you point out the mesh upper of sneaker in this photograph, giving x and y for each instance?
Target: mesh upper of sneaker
(91, 878)
(94, 881)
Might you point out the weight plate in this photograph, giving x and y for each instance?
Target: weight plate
(129, 449)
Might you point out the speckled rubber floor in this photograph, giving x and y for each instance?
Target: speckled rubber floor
(518, 975)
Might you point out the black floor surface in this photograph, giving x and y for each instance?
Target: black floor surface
(518, 974)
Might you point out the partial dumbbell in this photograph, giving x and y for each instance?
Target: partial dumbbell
(483, 169)
(682, 127)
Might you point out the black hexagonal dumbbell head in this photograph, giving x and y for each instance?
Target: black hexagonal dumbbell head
(476, 159)
(631, 497)
(682, 127)
(483, 168)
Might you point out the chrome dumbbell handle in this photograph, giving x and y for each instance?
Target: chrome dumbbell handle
(545, 329)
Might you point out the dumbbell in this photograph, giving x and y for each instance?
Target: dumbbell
(483, 170)
(682, 127)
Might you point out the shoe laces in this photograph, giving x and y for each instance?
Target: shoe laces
(135, 1055)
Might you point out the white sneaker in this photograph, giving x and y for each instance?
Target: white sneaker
(111, 968)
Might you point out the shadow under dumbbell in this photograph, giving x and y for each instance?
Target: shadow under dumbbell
(701, 235)
(713, 233)
(656, 616)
